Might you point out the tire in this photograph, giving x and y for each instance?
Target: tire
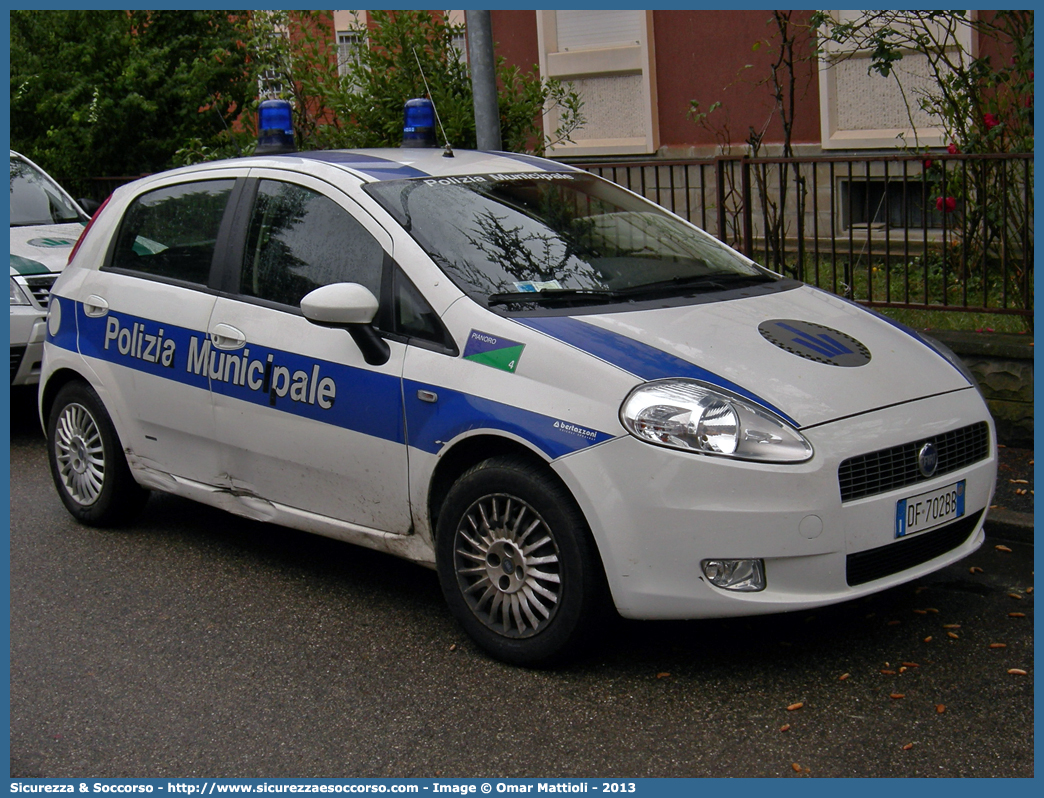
(517, 564)
(88, 466)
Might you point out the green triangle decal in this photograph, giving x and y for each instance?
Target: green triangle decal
(503, 359)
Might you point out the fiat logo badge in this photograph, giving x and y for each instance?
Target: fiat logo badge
(928, 459)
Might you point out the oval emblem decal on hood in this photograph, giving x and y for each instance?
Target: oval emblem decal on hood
(51, 243)
(815, 342)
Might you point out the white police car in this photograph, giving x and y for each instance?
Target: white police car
(551, 390)
(45, 223)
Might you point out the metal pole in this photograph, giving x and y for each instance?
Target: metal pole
(483, 79)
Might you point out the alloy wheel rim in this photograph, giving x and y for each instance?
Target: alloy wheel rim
(507, 565)
(80, 454)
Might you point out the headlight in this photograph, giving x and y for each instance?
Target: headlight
(18, 296)
(686, 414)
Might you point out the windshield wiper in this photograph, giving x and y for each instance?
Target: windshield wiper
(677, 285)
(689, 284)
(554, 296)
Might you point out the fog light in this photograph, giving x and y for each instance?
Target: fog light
(745, 576)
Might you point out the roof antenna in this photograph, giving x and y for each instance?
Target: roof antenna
(448, 149)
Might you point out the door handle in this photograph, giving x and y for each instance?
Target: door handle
(225, 336)
(95, 307)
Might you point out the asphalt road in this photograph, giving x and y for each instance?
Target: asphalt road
(197, 644)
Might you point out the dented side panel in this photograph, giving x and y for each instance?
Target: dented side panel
(315, 428)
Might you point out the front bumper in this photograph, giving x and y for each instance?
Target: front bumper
(657, 513)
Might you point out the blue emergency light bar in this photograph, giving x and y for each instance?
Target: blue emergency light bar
(275, 128)
(418, 129)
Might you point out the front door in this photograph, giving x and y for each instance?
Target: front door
(302, 419)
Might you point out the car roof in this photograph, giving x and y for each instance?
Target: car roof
(399, 164)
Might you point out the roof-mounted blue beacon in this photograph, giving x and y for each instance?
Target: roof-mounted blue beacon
(418, 128)
(275, 128)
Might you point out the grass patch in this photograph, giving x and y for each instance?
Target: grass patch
(919, 281)
(956, 320)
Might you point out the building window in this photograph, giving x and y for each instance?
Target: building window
(349, 43)
(457, 22)
(460, 44)
(276, 59)
(350, 38)
(879, 204)
(860, 109)
(586, 30)
(607, 57)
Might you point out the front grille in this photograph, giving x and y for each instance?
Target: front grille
(888, 469)
(866, 566)
(40, 287)
(17, 353)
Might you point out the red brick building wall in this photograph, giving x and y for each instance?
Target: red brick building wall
(701, 55)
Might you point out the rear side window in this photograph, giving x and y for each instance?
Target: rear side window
(300, 240)
(172, 232)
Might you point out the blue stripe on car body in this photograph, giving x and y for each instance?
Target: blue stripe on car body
(531, 160)
(430, 425)
(635, 357)
(908, 330)
(370, 403)
(66, 337)
(923, 340)
(370, 165)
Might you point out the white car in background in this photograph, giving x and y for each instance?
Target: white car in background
(45, 224)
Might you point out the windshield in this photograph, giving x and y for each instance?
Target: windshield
(558, 236)
(36, 199)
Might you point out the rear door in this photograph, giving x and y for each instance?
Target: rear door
(143, 319)
(303, 421)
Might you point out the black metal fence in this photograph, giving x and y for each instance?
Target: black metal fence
(938, 232)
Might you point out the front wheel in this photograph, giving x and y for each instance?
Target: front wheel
(87, 462)
(516, 562)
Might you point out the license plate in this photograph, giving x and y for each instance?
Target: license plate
(928, 510)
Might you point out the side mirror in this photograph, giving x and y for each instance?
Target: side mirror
(353, 307)
(89, 205)
(339, 304)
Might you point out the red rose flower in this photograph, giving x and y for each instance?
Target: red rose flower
(990, 121)
(945, 204)
(953, 149)
(927, 163)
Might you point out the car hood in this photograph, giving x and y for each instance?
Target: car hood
(44, 248)
(803, 353)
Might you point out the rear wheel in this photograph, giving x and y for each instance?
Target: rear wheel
(516, 562)
(87, 462)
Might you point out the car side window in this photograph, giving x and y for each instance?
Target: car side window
(172, 232)
(300, 240)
